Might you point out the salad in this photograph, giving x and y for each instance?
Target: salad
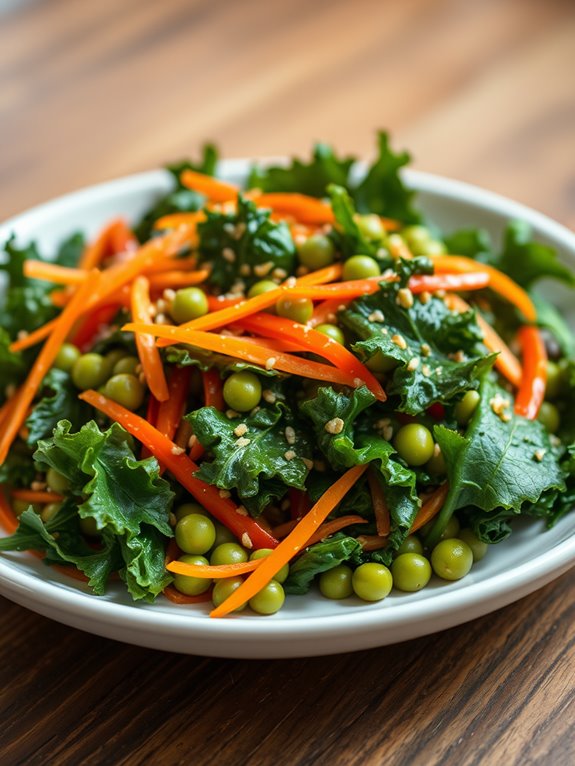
(301, 384)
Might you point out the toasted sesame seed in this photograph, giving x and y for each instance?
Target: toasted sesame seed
(239, 230)
(425, 349)
(169, 294)
(334, 426)
(376, 316)
(177, 450)
(405, 298)
(302, 270)
(192, 441)
(243, 442)
(270, 362)
(224, 493)
(245, 269)
(172, 520)
(268, 396)
(262, 269)
(290, 435)
(426, 370)
(399, 341)
(425, 297)
(290, 281)
(10, 390)
(246, 541)
(308, 463)
(238, 287)
(242, 510)
(160, 318)
(38, 486)
(240, 430)
(21, 334)
(384, 331)
(279, 273)
(231, 414)
(289, 454)
(458, 356)
(228, 255)
(539, 454)
(387, 433)
(413, 364)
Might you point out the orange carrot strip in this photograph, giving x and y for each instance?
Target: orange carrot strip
(36, 496)
(219, 302)
(44, 361)
(326, 311)
(292, 544)
(176, 597)
(305, 209)
(174, 220)
(323, 531)
(380, 509)
(498, 281)
(214, 189)
(430, 508)
(172, 410)
(169, 264)
(213, 390)
(8, 519)
(216, 572)
(34, 337)
(321, 276)
(432, 282)
(372, 542)
(340, 290)
(251, 352)
(179, 464)
(147, 350)
(52, 272)
(176, 279)
(532, 388)
(317, 342)
(121, 238)
(97, 250)
(506, 361)
(83, 334)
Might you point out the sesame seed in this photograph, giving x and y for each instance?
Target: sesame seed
(224, 493)
(384, 331)
(10, 390)
(228, 255)
(240, 430)
(290, 281)
(38, 486)
(239, 230)
(425, 297)
(161, 306)
(426, 370)
(539, 455)
(289, 454)
(387, 433)
(290, 435)
(246, 541)
(399, 341)
(262, 269)
(229, 228)
(301, 271)
(405, 298)
(245, 269)
(270, 362)
(376, 316)
(169, 294)
(192, 441)
(243, 442)
(413, 364)
(458, 356)
(279, 273)
(172, 520)
(425, 349)
(268, 396)
(242, 510)
(308, 463)
(177, 450)
(334, 426)
(22, 334)
(231, 414)
(160, 318)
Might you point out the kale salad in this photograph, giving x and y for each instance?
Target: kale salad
(253, 392)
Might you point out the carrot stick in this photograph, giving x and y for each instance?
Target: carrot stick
(121, 238)
(294, 542)
(32, 338)
(498, 281)
(321, 276)
(147, 350)
(8, 519)
(372, 542)
(430, 508)
(152, 410)
(246, 529)
(251, 352)
(214, 189)
(532, 388)
(176, 279)
(36, 496)
(171, 411)
(432, 282)
(326, 311)
(380, 509)
(176, 597)
(318, 343)
(44, 361)
(506, 361)
(174, 220)
(169, 264)
(216, 572)
(305, 209)
(213, 390)
(97, 250)
(52, 272)
(216, 303)
(323, 531)
(83, 334)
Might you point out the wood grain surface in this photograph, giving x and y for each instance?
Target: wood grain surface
(482, 91)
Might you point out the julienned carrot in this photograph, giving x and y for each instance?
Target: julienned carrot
(44, 360)
(121, 238)
(430, 507)
(214, 189)
(326, 311)
(318, 343)
(176, 597)
(246, 529)
(97, 250)
(532, 388)
(32, 338)
(305, 209)
(217, 303)
(432, 282)
(324, 530)
(354, 288)
(498, 281)
(506, 361)
(52, 272)
(36, 496)
(379, 503)
(179, 219)
(89, 326)
(147, 350)
(251, 352)
(176, 279)
(169, 264)
(216, 572)
(8, 519)
(292, 544)
(172, 410)
(213, 389)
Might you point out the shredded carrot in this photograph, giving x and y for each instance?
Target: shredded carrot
(498, 281)
(214, 189)
(52, 272)
(319, 277)
(36, 496)
(176, 279)
(326, 311)
(251, 352)
(246, 529)
(44, 361)
(169, 264)
(215, 572)
(372, 542)
(324, 530)
(318, 343)
(88, 327)
(8, 519)
(532, 388)
(147, 349)
(379, 503)
(354, 288)
(172, 410)
(506, 361)
(174, 220)
(305, 209)
(430, 283)
(152, 410)
(32, 338)
(430, 507)
(121, 238)
(216, 303)
(176, 597)
(213, 389)
(96, 251)
(296, 540)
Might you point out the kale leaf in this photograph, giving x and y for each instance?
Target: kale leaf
(319, 558)
(526, 261)
(59, 403)
(12, 366)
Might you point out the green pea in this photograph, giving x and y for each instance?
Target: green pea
(189, 303)
(332, 331)
(224, 588)
(126, 390)
(297, 309)
(49, 511)
(360, 267)
(478, 548)
(336, 582)
(112, 358)
(269, 600)
(372, 582)
(192, 586)
(411, 572)
(414, 443)
(549, 416)
(89, 371)
(195, 533)
(223, 535)
(228, 553)
(242, 391)
(417, 238)
(188, 508)
(261, 287)
(411, 544)
(67, 357)
(126, 366)
(451, 559)
(465, 408)
(316, 252)
(380, 363)
(262, 553)
(434, 247)
(370, 227)
(554, 380)
(56, 481)
(89, 526)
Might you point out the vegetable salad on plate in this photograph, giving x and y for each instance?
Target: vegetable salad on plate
(252, 392)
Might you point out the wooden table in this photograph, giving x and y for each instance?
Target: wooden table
(481, 91)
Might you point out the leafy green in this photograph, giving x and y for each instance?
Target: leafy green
(348, 235)
(258, 463)
(473, 243)
(432, 334)
(60, 402)
(18, 470)
(319, 558)
(208, 164)
(250, 239)
(12, 366)
(502, 461)
(190, 356)
(526, 261)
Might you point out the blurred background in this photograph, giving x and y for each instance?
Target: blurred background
(480, 91)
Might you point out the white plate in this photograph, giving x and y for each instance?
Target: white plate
(307, 625)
